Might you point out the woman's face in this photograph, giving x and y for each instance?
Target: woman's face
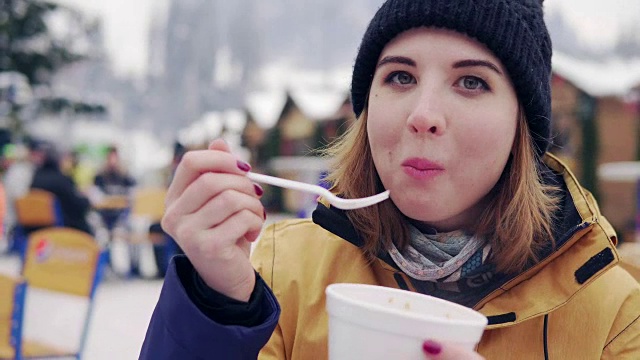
(441, 123)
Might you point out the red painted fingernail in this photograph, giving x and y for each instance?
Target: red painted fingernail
(258, 189)
(243, 166)
(431, 347)
(264, 212)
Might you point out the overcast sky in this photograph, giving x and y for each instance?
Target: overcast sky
(126, 24)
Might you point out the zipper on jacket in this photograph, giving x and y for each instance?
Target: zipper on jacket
(544, 337)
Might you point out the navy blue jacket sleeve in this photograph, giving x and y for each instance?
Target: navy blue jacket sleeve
(180, 330)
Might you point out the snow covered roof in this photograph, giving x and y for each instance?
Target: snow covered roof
(318, 94)
(613, 77)
(266, 106)
(211, 125)
(319, 104)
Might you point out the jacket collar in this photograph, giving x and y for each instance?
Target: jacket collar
(584, 252)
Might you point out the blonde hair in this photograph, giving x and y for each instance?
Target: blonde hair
(517, 221)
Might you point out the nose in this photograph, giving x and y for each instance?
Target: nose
(427, 115)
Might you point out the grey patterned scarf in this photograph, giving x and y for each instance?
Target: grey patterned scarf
(440, 257)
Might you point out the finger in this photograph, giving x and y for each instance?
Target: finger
(252, 236)
(220, 145)
(209, 185)
(447, 351)
(185, 228)
(217, 210)
(219, 242)
(196, 163)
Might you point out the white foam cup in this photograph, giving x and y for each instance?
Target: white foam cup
(375, 322)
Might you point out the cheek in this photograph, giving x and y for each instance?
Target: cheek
(487, 142)
(492, 135)
(484, 153)
(377, 141)
(382, 128)
(481, 164)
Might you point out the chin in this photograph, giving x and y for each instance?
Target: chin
(421, 212)
(427, 210)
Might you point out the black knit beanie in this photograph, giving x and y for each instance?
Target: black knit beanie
(514, 30)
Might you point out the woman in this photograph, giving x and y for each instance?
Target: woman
(453, 100)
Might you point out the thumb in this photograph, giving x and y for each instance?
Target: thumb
(220, 145)
(447, 351)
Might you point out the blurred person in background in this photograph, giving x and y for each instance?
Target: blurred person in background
(111, 195)
(73, 166)
(113, 181)
(48, 176)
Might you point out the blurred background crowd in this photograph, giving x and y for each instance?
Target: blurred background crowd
(100, 99)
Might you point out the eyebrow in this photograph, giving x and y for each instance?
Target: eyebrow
(457, 65)
(396, 60)
(474, 62)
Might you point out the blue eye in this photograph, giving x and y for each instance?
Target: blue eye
(401, 78)
(473, 83)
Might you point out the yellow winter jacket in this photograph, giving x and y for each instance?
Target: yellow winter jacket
(577, 303)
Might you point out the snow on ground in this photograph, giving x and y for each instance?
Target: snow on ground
(121, 318)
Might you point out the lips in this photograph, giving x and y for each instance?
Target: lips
(421, 169)
(422, 164)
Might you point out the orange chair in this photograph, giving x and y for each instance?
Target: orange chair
(113, 202)
(63, 261)
(148, 206)
(149, 203)
(38, 208)
(35, 210)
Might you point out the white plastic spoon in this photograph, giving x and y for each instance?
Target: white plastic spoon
(340, 203)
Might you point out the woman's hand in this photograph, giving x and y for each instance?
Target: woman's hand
(445, 351)
(213, 211)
